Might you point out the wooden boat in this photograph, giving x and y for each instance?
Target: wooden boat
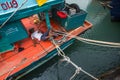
(18, 55)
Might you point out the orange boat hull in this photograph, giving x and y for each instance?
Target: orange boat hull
(14, 63)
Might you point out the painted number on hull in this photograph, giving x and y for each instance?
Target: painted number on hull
(9, 4)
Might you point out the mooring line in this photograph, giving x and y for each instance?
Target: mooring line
(66, 58)
(91, 41)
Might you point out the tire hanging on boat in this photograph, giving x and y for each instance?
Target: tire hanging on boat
(75, 6)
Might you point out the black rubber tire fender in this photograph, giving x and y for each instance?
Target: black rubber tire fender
(75, 6)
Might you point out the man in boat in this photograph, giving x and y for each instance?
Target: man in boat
(40, 34)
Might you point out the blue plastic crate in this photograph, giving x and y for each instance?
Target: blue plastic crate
(72, 21)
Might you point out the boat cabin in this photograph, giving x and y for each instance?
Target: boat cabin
(16, 28)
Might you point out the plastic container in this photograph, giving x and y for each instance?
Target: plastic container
(72, 21)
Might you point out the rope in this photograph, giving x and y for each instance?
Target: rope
(78, 69)
(13, 13)
(96, 42)
(76, 72)
(88, 41)
(60, 52)
(100, 44)
(93, 42)
(66, 58)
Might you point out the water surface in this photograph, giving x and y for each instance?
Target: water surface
(94, 59)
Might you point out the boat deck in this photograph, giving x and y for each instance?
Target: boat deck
(14, 61)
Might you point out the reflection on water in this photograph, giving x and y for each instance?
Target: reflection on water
(94, 59)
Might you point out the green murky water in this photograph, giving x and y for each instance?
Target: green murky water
(94, 59)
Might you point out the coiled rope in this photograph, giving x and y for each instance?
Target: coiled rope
(66, 58)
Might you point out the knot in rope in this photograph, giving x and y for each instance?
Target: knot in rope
(66, 59)
(78, 70)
